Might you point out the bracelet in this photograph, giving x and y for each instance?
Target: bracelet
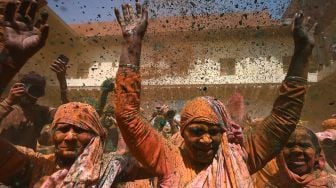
(5, 101)
(134, 67)
(296, 79)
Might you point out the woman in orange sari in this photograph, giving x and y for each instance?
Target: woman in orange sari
(300, 164)
(213, 152)
(78, 160)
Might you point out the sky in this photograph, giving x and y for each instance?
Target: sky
(78, 11)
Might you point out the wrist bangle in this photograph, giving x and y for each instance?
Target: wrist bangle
(6, 102)
(131, 66)
(296, 79)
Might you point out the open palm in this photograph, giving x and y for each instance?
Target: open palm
(21, 38)
(133, 24)
(303, 31)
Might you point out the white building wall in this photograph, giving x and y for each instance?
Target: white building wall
(248, 71)
(258, 61)
(97, 74)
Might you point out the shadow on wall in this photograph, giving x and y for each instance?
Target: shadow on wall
(320, 102)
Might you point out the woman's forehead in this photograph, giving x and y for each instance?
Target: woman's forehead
(300, 135)
(61, 125)
(203, 124)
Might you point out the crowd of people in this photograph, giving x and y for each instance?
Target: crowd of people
(204, 145)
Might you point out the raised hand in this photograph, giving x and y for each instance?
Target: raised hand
(133, 25)
(303, 35)
(303, 32)
(108, 85)
(15, 93)
(59, 67)
(21, 38)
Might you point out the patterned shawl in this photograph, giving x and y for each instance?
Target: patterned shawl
(86, 169)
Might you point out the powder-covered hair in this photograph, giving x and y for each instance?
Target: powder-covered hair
(313, 137)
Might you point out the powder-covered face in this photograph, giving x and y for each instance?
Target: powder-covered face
(300, 153)
(202, 141)
(70, 140)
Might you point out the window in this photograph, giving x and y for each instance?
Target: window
(227, 66)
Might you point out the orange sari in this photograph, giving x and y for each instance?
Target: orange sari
(237, 158)
(277, 174)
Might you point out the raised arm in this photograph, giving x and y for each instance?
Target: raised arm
(14, 165)
(8, 167)
(268, 138)
(169, 115)
(59, 67)
(15, 93)
(106, 87)
(143, 141)
(21, 39)
(21, 166)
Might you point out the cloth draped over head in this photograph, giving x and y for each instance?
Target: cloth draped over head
(213, 111)
(276, 173)
(329, 123)
(85, 170)
(228, 168)
(318, 178)
(81, 115)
